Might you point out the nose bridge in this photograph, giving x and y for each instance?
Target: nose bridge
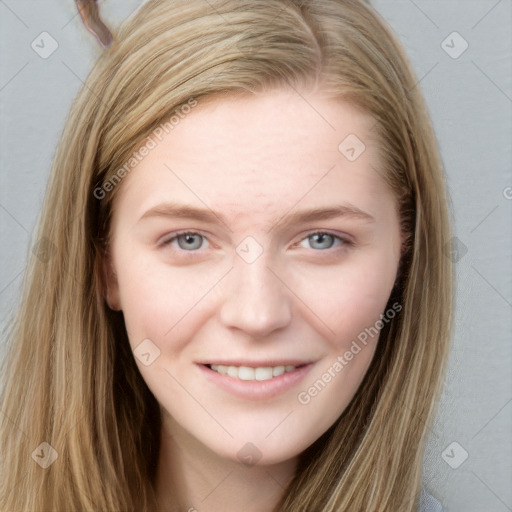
(255, 301)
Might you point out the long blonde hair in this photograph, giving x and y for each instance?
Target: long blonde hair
(69, 377)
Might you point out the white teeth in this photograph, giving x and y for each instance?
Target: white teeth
(222, 369)
(263, 373)
(278, 370)
(232, 371)
(248, 373)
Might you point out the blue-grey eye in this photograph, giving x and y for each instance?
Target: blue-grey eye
(324, 240)
(189, 242)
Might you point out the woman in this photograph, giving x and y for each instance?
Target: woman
(186, 341)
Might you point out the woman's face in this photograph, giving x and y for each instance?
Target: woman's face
(292, 255)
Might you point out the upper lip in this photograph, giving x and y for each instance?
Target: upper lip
(256, 364)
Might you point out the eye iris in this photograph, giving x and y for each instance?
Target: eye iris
(321, 236)
(188, 238)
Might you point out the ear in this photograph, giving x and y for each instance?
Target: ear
(111, 286)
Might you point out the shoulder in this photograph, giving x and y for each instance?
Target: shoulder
(429, 504)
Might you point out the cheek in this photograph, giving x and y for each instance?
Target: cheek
(353, 305)
(155, 298)
(328, 392)
(350, 297)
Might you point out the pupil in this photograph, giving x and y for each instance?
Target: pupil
(189, 240)
(320, 238)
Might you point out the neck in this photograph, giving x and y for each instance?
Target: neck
(192, 478)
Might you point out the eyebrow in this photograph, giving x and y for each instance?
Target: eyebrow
(183, 211)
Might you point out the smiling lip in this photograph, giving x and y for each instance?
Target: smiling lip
(255, 364)
(254, 389)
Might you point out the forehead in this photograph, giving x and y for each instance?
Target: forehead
(267, 151)
(279, 122)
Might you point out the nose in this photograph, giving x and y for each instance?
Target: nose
(256, 300)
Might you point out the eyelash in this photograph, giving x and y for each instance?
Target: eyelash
(344, 242)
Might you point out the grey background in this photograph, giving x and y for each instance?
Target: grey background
(470, 101)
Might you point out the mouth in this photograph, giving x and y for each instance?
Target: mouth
(249, 373)
(249, 380)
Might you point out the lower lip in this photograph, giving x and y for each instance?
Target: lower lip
(257, 389)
